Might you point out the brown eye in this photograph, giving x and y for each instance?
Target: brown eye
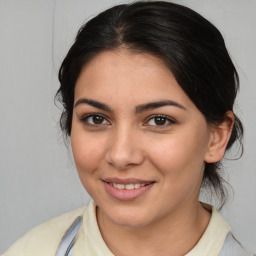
(97, 119)
(94, 119)
(160, 121)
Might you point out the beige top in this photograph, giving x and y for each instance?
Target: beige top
(44, 239)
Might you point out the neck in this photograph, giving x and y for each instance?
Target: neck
(172, 235)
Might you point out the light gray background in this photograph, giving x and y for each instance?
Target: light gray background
(38, 179)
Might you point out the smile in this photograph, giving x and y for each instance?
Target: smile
(126, 190)
(128, 186)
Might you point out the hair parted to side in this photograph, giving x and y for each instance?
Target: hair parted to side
(190, 46)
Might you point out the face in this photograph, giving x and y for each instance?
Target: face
(139, 142)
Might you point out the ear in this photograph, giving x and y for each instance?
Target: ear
(219, 138)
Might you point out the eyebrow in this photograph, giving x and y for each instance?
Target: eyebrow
(139, 109)
(93, 103)
(158, 104)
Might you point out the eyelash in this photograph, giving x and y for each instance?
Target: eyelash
(167, 120)
(164, 117)
(85, 119)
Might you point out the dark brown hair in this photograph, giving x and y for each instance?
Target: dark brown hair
(191, 47)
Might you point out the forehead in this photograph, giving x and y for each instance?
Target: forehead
(125, 75)
(122, 59)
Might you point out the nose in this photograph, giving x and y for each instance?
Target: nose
(125, 149)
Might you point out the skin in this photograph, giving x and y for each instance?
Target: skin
(167, 219)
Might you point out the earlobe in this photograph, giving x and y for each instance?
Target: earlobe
(219, 138)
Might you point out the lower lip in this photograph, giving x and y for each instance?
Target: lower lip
(126, 194)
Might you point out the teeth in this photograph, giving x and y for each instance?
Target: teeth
(120, 186)
(128, 186)
(137, 185)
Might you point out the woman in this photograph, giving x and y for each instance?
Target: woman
(148, 91)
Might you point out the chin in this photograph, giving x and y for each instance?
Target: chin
(129, 217)
(130, 222)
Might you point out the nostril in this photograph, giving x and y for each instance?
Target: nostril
(123, 158)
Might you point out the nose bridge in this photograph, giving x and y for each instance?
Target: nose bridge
(124, 149)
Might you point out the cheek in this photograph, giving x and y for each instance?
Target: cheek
(179, 155)
(88, 152)
(180, 164)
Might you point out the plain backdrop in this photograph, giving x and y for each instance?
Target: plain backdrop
(38, 178)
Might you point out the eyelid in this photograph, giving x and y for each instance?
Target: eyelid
(85, 117)
(168, 118)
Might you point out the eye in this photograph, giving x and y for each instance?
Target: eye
(94, 119)
(160, 120)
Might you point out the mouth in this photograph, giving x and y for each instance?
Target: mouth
(128, 186)
(127, 189)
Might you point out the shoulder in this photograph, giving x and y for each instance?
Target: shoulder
(44, 239)
(213, 237)
(233, 247)
(218, 239)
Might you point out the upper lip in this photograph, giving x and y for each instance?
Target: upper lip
(127, 181)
